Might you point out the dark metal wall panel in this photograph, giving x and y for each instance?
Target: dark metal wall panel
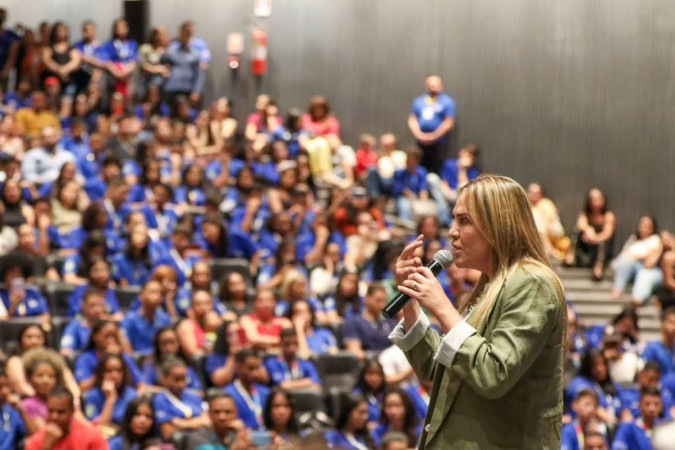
(572, 93)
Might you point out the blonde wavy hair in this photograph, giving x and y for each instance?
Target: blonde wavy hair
(501, 211)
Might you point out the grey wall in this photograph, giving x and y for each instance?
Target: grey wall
(573, 93)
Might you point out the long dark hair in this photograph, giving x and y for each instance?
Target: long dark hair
(90, 216)
(348, 403)
(362, 385)
(157, 354)
(100, 371)
(411, 421)
(129, 439)
(98, 326)
(586, 371)
(222, 247)
(221, 346)
(344, 302)
(292, 425)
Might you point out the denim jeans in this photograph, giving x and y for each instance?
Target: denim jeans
(645, 280)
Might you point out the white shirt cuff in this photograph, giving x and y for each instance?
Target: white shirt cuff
(452, 342)
(406, 341)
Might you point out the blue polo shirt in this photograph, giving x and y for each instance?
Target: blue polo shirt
(94, 399)
(112, 305)
(657, 352)
(214, 362)
(76, 335)
(416, 181)
(166, 408)
(281, 371)
(192, 196)
(373, 335)
(33, 304)
(631, 436)
(431, 112)
(450, 171)
(140, 332)
(337, 439)
(12, 428)
(249, 407)
(118, 51)
(239, 245)
(85, 366)
(135, 272)
(321, 341)
(215, 168)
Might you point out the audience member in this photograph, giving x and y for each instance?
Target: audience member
(431, 119)
(63, 431)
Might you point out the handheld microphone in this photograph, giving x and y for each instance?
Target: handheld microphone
(442, 260)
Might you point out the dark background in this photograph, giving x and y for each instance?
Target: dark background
(571, 93)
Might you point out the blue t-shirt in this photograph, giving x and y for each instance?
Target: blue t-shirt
(656, 351)
(416, 182)
(94, 400)
(321, 341)
(337, 439)
(12, 428)
(280, 371)
(112, 305)
(85, 367)
(7, 39)
(140, 332)
(374, 404)
(430, 112)
(631, 436)
(450, 173)
(239, 245)
(420, 400)
(213, 362)
(630, 400)
(194, 196)
(136, 272)
(249, 406)
(578, 383)
(168, 407)
(76, 336)
(33, 304)
(117, 51)
(373, 335)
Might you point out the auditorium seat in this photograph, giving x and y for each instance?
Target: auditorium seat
(220, 267)
(57, 295)
(126, 295)
(340, 371)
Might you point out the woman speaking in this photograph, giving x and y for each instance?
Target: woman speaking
(497, 368)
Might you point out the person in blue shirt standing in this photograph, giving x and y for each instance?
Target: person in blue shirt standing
(176, 408)
(248, 394)
(410, 184)
(287, 370)
(636, 435)
(120, 56)
(663, 352)
(139, 327)
(431, 119)
(186, 77)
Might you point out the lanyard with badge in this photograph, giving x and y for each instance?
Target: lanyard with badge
(178, 404)
(291, 371)
(355, 442)
(252, 400)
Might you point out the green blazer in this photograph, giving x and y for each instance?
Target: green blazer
(504, 388)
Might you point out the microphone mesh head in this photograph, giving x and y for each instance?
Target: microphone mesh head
(444, 258)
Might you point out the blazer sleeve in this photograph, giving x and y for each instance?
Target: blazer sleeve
(419, 344)
(529, 311)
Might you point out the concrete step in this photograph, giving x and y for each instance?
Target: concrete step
(586, 284)
(600, 296)
(610, 310)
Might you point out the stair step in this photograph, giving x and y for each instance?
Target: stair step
(587, 284)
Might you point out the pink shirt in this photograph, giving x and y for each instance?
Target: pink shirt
(35, 407)
(329, 125)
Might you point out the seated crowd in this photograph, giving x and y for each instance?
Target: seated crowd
(179, 277)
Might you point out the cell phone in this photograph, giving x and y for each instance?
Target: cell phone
(261, 438)
(18, 284)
